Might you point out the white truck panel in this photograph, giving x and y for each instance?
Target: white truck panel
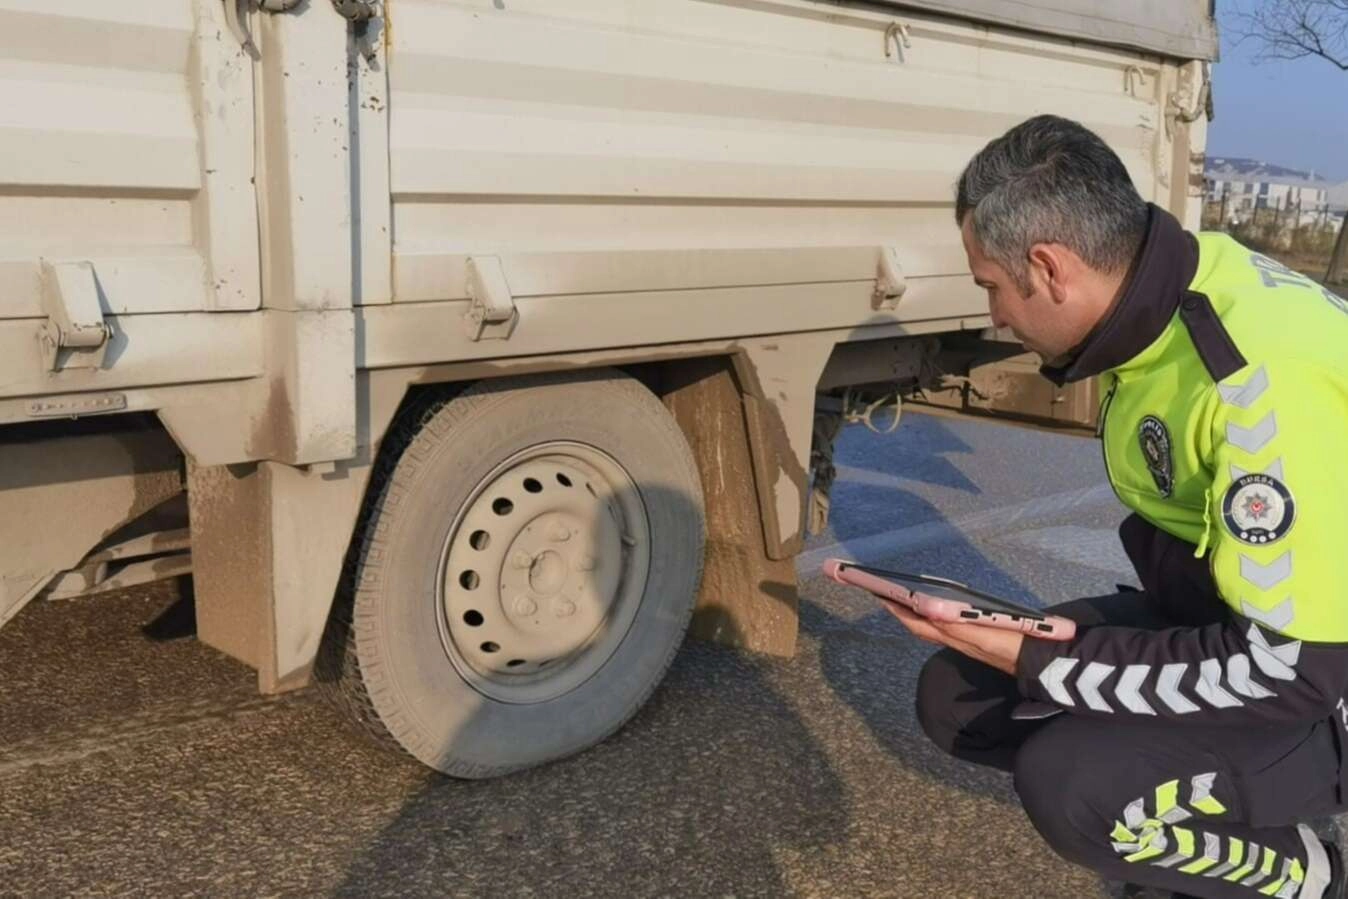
(145, 350)
(1180, 28)
(602, 128)
(127, 143)
(536, 230)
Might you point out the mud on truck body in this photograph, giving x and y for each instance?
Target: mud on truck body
(464, 351)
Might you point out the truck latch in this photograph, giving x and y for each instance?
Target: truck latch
(492, 313)
(74, 317)
(890, 282)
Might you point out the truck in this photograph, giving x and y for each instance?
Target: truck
(469, 354)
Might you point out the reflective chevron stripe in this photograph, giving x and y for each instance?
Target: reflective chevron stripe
(1265, 870)
(1123, 840)
(1167, 809)
(1053, 676)
(1212, 854)
(1135, 815)
(1275, 661)
(1128, 687)
(1276, 618)
(1088, 685)
(1266, 577)
(1246, 394)
(1142, 835)
(1251, 860)
(1209, 686)
(1168, 688)
(1235, 852)
(1184, 848)
(1155, 836)
(1273, 888)
(1250, 865)
(1238, 676)
(1153, 843)
(1200, 794)
(1257, 865)
(1070, 684)
(1166, 806)
(1255, 438)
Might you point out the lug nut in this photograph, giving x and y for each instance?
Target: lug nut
(525, 606)
(566, 608)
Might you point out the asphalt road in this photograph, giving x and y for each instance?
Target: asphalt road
(135, 767)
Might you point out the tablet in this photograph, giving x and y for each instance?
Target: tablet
(945, 600)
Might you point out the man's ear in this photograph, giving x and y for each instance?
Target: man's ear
(1049, 264)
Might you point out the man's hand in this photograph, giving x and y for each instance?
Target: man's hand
(989, 645)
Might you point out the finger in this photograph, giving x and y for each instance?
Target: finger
(923, 628)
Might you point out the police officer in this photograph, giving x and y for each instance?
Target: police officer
(1184, 736)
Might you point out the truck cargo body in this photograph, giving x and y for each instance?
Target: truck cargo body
(276, 258)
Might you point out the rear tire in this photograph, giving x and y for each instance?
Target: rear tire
(524, 575)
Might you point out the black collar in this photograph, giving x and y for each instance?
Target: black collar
(1165, 266)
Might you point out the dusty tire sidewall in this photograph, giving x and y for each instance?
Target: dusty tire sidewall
(414, 687)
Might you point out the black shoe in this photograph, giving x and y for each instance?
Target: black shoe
(1133, 891)
(1338, 884)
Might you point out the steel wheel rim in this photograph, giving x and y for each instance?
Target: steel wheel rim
(542, 572)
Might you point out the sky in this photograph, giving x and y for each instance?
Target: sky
(1288, 113)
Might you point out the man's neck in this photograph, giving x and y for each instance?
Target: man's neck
(1141, 304)
(1113, 286)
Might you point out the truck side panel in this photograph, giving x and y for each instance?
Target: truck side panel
(582, 141)
(126, 140)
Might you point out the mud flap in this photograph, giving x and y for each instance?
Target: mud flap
(746, 600)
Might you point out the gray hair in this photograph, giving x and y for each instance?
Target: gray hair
(1051, 180)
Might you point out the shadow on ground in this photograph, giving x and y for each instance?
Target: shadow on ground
(918, 451)
(696, 796)
(857, 655)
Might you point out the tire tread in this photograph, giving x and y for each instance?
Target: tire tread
(357, 689)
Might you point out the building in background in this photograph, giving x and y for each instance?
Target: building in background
(1243, 186)
(1338, 198)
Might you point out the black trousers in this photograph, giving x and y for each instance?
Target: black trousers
(1203, 811)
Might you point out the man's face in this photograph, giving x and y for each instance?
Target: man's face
(1035, 319)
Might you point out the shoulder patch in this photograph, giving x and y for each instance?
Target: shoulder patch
(1258, 509)
(1154, 437)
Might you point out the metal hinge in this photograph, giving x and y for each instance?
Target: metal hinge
(890, 283)
(357, 10)
(1200, 99)
(74, 317)
(897, 36)
(236, 17)
(492, 313)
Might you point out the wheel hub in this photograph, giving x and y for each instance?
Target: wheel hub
(548, 573)
(543, 572)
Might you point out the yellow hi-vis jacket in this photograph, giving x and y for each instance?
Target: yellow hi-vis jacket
(1224, 423)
